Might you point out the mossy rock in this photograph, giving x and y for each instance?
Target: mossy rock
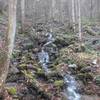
(63, 40)
(23, 66)
(85, 76)
(77, 47)
(40, 72)
(12, 90)
(54, 74)
(97, 80)
(81, 76)
(59, 83)
(69, 55)
(27, 46)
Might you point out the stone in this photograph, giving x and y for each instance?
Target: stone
(11, 88)
(14, 70)
(86, 69)
(94, 61)
(59, 83)
(72, 66)
(97, 80)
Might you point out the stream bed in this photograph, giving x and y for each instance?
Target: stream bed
(70, 82)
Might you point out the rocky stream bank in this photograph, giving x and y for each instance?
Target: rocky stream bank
(51, 66)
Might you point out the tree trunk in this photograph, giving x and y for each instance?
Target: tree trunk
(73, 14)
(79, 20)
(34, 13)
(52, 13)
(22, 14)
(9, 43)
(91, 9)
(53, 9)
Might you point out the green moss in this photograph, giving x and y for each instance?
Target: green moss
(81, 76)
(40, 71)
(12, 90)
(23, 65)
(85, 77)
(59, 83)
(97, 80)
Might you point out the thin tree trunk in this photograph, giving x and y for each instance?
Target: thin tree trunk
(79, 20)
(22, 14)
(91, 10)
(53, 9)
(73, 14)
(34, 12)
(52, 13)
(9, 41)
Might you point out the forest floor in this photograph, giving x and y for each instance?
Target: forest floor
(27, 79)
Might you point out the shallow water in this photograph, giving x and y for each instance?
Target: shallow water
(43, 56)
(44, 60)
(71, 86)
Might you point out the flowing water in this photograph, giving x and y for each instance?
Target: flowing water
(71, 84)
(44, 60)
(43, 56)
(71, 87)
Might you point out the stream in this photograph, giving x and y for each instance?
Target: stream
(70, 82)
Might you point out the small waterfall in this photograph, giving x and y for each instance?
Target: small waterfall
(71, 84)
(43, 56)
(50, 39)
(44, 60)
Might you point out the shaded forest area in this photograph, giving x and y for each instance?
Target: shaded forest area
(49, 50)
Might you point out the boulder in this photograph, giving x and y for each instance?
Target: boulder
(86, 69)
(59, 83)
(97, 80)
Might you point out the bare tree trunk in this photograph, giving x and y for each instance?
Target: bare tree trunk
(91, 10)
(22, 14)
(33, 12)
(79, 20)
(73, 14)
(53, 9)
(52, 13)
(9, 41)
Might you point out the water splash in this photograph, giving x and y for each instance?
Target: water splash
(43, 56)
(71, 85)
(50, 39)
(44, 60)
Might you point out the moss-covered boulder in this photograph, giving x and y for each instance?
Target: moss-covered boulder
(85, 77)
(97, 80)
(59, 83)
(12, 90)
(62, 40)
(69, 55)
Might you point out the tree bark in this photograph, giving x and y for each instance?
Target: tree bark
(9, 42)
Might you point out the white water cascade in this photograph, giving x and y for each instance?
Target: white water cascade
(71, 86)
(70, 82)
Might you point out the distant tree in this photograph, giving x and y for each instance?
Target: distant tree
(73, 14)
(33, 12)
(91, 9)
(3, 6)
(9, 42)
(22, 14)
(79, 20)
